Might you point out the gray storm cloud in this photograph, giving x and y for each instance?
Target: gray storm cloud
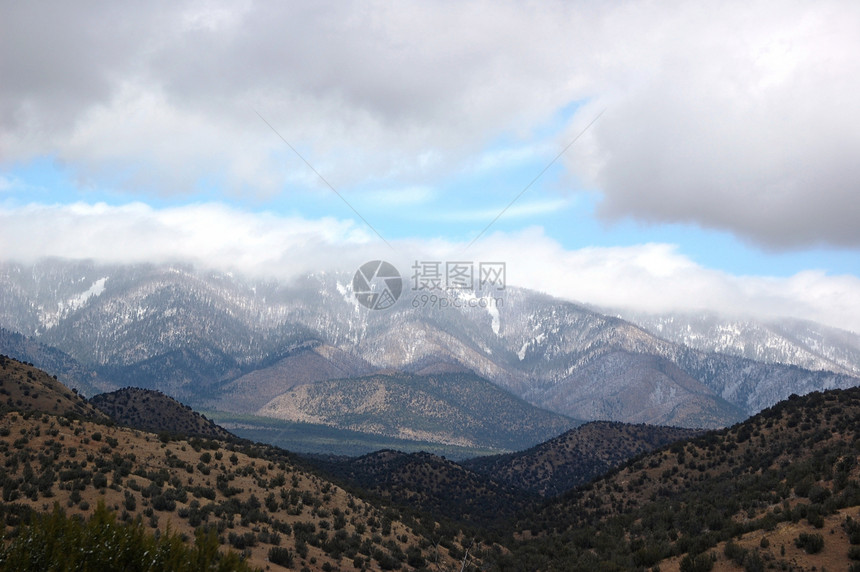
(732, 115)
(750, 126)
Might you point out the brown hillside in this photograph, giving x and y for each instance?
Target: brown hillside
(576, 456)
(256, 498)
(25, 388)
(790, 472)
(306, 364)
(433, 484)
(776, 548)
(150, 410)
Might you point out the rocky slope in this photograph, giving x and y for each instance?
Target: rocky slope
(787, 341)
(788, 475)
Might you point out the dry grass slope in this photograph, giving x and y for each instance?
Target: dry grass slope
(25, 388)
(259, 501)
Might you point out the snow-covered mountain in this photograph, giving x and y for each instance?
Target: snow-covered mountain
(788, 341)
(194, 334)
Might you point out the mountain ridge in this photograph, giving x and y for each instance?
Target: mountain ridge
(192, 333)
(576, 456)
(456, 409)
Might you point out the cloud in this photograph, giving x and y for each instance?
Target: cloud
(652, 277)
(740, 120)
(737, 116)
(523, 209)
(169, 95)
(656, 278)
(207, 235)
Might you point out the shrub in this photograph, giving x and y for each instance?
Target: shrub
(130, 501)
(753, 562)
(242, 541)
(852, 528)
(100, 481)
(281, 556)
(53, 541)
(700, 563)
(163, 502)
(811, 543)
(734, 552)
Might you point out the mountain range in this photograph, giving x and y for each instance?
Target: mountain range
(788, 341)
(261, 347)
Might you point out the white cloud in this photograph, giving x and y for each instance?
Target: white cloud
(655, 277)
(652, 277)
(209, 235)
(519, 209)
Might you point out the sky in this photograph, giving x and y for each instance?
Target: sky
(660, 156)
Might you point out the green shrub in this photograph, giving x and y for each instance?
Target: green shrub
(281, 556)
(753, 562)
(811, 543)
(700, 563)
(56, 542)
(734, 552)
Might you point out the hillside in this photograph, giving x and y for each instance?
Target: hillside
(575, 457)
(259, 501)
(69, 371)
(780, 490)
(155, 412)
(306, 363)
(637, 388)
(25, 388)
(789, 473)
(433, 484)
(456, 409)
